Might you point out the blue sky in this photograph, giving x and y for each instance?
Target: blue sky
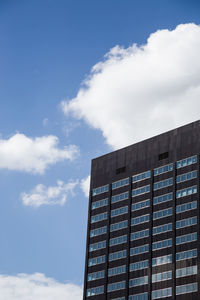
(53, 124)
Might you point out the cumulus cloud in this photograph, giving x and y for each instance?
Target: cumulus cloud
(33, 155)
(49, 195)
(85, 186)
(141, 91)
(37, 287)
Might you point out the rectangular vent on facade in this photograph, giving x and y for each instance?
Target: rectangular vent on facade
(120, 170)
(163, 155)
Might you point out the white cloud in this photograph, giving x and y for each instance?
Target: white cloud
(85, 186)
(51, 195)
(141, 91)
(33, 155)
(37, 287)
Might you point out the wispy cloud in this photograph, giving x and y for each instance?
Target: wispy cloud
(33, 155)
(37, 287)
(49, 195)
(85, 186)
(141, 91)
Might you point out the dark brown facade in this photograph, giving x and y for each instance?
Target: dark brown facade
(143, 238)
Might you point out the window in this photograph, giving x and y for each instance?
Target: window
(140, 265)
(186, 176)
(139, 191)
(140, 205)
(98, 218)
(96, 275)
(140, 219)
(118, 240)
(162, 228)
(143, 296)
(163, 169)
(141, 176)
(162, 260)
(161, 293)
(117, 271)
(186, 162)
(138, 281)
(121, 298)
(162, 276)
(96, 261)
(191, 237)
(100, 190)
(118, 226)
(162, 198)
(99, 203)
(186, 271)
(162, 213)
(186, 254)
(185, 207)
(162, 184)
(116, 286)
(139, 250)
(97, 246)
(98, 231)
(119, 197)
(117, 255)
(118, 184)
(187, 288)
(186, 222)
(95, 291)
(161, 244)
(119, 211)
(139, 234)
(186, 192)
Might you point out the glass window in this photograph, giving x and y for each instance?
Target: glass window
(139, 191)
(119, 183)
(100, 190)
(162, 260)
(186, 192)
(186, 162)
(186, 254)
(95, 291)
(119, 197)
(117, 255)
(139, 234)
(163, 169)
(186, 176)
(140, 205)
(119, 211)
(186, 222)
(96, 261)
(161, 244)
(185, 207)
(161, 276)
(97, 246)
(139, 250)
(98, 231)
(141, 176)
(116, 286)
(187, 288)
(100, 217)
(162, 213)
(162, 184)
(162, 228)
(161, 293)
(186, 271)
(142, 296)
(118, 226)
(140, 265)
(138, 281)
(140, 219)
(99, 203)
(191, 237)
(96, 275)
(162, 198)
(117, 270)
(118, 240)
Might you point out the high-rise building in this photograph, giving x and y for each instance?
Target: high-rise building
(143, 239)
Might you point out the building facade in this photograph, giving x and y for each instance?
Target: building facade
(143, 239)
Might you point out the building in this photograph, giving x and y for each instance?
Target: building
(143, 238)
